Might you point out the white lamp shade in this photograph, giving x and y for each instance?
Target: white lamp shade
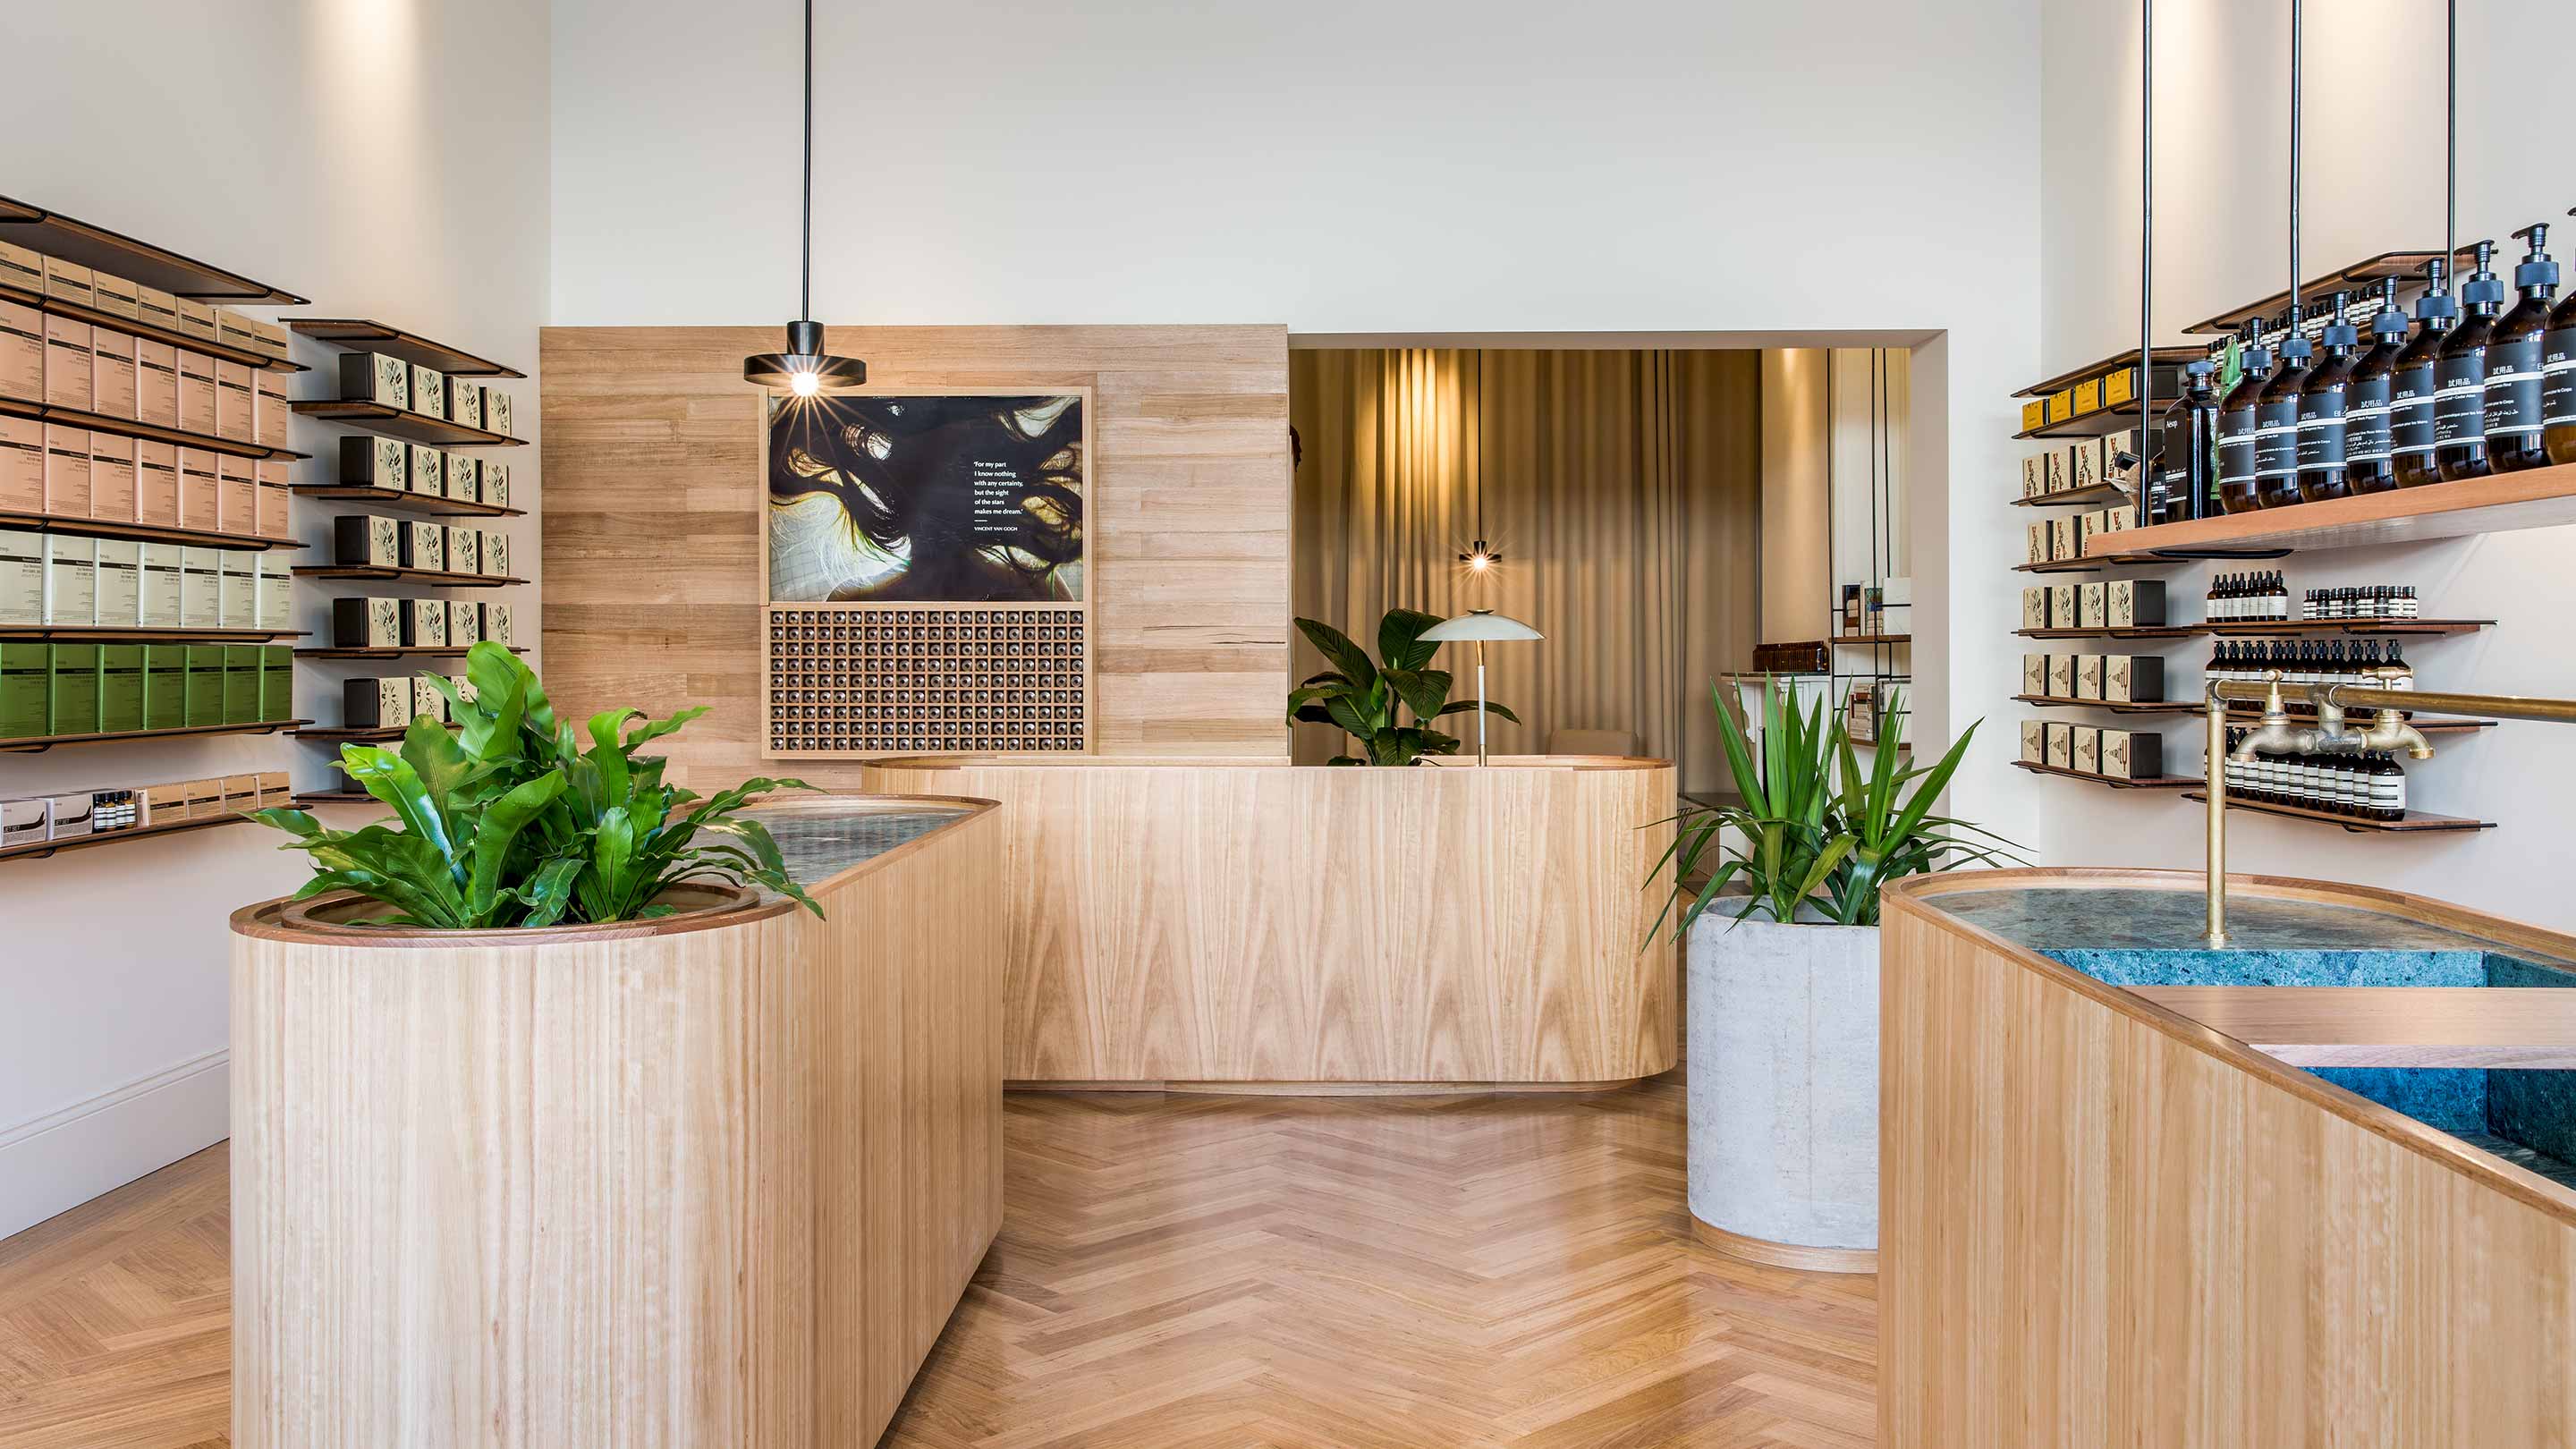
(1482, 624)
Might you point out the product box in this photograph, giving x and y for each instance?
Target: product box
(68, 364)
(22, 269)
(71, 581)
(2062, 544)
(374, 377)
(2061, 405)
(22, 352)
(496, 553)
(2121, 453)
(2034, 742)
(156, 308)
(276, 592)
(270, 413)
(497, 626)
(237, 575)
(111, 376)
(366, 540)
(275, 788)
(496, 483)
(464, 477)
(2034, 476)
(201, 597)
(427, 698)
(165, 686)
(2135, 604)
(22, 822)
(237, 489)
(2064, 611)
(201, 494)
(2061, 745)
(424, 624)
(375, 704)
(74, 708)
(2084, 464)
(165, 804)
(241, 684)
(276, 497)
(2055, 461)
(2034, 674)
(464, 550)
(116, 296)
(375, 463)
(197, 394)
(120, 688)
(22, 577)
(240, 794)
(464, 688)
(236, 331)
(424, 545)
(2088, 676)
(26, 690)
(274, 340)
(428, 391)
(496, 412)
(2132, 754)
(196, 319)
(156, 383)
(66, 471)
(68, 817)
(156, 484)
(428, 471)
(120, 585)
(2034, 608)
(2088, 396)
(22, 465)
(236, 404)
(2085, 749)
(464, 403)
(70, 282)
(158, 599)
(2036, 535)
(2133, 679)
(2061, 676)
(366, 623)
(276, 682)
(205, 798)
(2088, 526)
(464, 625)
(111, 478)
(2092, 606)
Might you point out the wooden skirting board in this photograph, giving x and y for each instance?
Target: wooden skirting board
(1785, 1255)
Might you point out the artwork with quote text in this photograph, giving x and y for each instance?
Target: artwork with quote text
(959, 498)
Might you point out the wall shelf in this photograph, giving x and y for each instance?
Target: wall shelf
(393, 422)
(79, 634)
(1867, 639)
(2351, 626)
(2416, 821)
(133, 326)
(2093, 563)
(38, 850)
(2132, 706)
(408, 651)
(2155, 782)
(406, 576)
(120, 255)
(336, 797)
(2355, 278)
(358, 332)
(2077, 497)
(38, 744)
(149, 432)
(2424, 724)
(2086, 425)
(2170, 355)
(405, 502)
(2135, 631)
(2532, 498)
(147, 532)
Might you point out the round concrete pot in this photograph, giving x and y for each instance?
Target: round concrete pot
(1783, 1071)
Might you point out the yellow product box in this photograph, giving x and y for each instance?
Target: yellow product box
(2088, 396)
(2061, 405)
(2034, 414)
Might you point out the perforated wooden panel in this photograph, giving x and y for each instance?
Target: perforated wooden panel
(851, 681)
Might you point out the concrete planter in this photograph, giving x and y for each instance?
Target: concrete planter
(1783, 1071)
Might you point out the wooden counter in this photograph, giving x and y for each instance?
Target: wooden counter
(2103, 1222)
(708, 1181)
(1257, 925)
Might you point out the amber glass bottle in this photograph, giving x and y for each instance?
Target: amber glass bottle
(2460, 378)
(2513, 383)
(2323, 400)
(2368, 465)
(2558, 382)
(2186, 475)
(2236, 424)
(2276, 417)
(2412, 383)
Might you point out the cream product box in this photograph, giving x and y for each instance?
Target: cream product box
(68, 816)
(424, 623)
(22, 577)
(428, 391)
(201, 599)
(120, 583)
(496, 553)
(2034, 476)
(112, 380)
(236, 331)
(2034, 674)
(22, 822)
(375, 463)
(276, 496)
(2133, 679)
(274, 788)
(424, 546)
(273, 340)
(116, 296)
(236, 403)
(197, 394)
(2038, 536)
(2087, 527)
(465, 404)
(2086, 749)
(205, 798)
(66, 471)
(156, 308)
(464, 550)
(366, 540)
(496, 412)
(165, 804)
(241, 794)
(2055, 462)
(22, 465)
(366, 623)
(2061, 676)
(71, 582)
(428, 471)
(22, 352)
(464, 625)
(2034, 742)
(158, 600)
(239, 489)
(269, 410)
(200, 491)
(196, 319)
(2061, 745)
(111, 478)
(237, 578)
(2135, 604)
(70, 282)
(2092, 606)
(2062, 607)
(22, 269)
(2132, 754)
(464, 688)
(374, 377)
(375, 704)
(2062, 544)
(2088, 676)
(497, 625)
(427, 698)
(68, 364)
(2084, 467)
(464, 478)
(276, 592)
(156, 383)
(496, 483)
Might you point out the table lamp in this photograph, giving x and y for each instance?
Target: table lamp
(1480, 625)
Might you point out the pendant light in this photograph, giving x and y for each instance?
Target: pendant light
(1480, 556)
(805, 369)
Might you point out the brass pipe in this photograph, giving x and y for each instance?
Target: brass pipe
(2504, 706)
(2216, 773)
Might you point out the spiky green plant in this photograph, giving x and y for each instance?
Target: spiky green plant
(1362, 696)
(509, 821)
(1813, 828)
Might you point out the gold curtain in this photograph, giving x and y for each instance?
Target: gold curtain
(1623, 489)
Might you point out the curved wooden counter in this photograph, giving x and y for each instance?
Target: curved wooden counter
(717, 1182)
(1252, 924)
(2104, 1222)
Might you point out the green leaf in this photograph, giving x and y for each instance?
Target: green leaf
(1344, 655)
(500, 828)
(1400, 642)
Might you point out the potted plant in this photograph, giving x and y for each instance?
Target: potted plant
(1362, 696)
(1782, 1045)
(509, 821)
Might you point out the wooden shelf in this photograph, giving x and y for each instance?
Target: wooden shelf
(336, 797)
(400, 423)
(1862, 639)
(2424, 724)
(120, 255)
(147, 532)
(341, 734)
(38, 850)
(2415, 821)
(405, 502)
(149, 432)
(2077, 497)
(2095, 563)
(2355, 278)
(38, 744)
(76, 634)
(2086, 425)
(408, 651)
(2533, 498)
(406, 576)
(2157, 782)
(2142, 706)
(394, 342)
(2137, 631)
(2351, 626)
(2171, 355)
(134, 326)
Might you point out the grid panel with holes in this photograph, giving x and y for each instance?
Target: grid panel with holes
(861, 680)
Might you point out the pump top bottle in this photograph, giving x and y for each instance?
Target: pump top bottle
(2460, 378)
(2324, 406)
(2236, 422)
(2369, 465)
(2514, 382)
(2186, 481)
(2558, 382)
(2276, 417)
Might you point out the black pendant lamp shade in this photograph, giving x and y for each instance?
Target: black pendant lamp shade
(805, 369)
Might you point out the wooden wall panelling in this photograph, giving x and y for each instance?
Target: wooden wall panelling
(653, 491)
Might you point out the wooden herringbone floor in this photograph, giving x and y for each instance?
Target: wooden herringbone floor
(1175, 1273)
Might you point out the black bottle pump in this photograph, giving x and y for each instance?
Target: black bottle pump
(2236, 422)
(2513, 381)
(2369, 466)
(2276, 416)
(2460, 378)
(2414, 381)
(2324, 401)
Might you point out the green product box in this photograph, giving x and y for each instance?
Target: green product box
(75, 707)
(277, 682)
(205, 684)
(165, 686)
(120, 688)
(26, 690)
(241, 684)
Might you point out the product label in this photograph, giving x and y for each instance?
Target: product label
(2322, 431)
(2236, 447)
(2410, 409)
(2459, 399)
(2558, 376)
(2513, 387)
(2366, 435)
(2276, 438)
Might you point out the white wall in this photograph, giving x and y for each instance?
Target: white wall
(2373, 183)
(387, 158)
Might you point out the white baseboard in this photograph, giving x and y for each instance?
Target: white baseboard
(58, 1161)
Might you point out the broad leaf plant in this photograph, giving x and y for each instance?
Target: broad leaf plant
(1367, 698)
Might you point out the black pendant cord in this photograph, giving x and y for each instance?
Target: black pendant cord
(2148, 440)
(805, 214)
(2297, 25)
(2451, 143)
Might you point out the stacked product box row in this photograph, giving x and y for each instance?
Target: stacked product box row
(375, 541)
(2099, 678)
(2114, 754)
(2119, 604)
(77, 473)
(393, 701)
(2064, 539)
(53, 690)
(98, 367)
(388, 381)
(106, 809)
(372, 623)
(2068, 467)
(393, 466)
(54, 580)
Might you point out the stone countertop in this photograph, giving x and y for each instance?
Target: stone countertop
(822, 839)
(2053, 919)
